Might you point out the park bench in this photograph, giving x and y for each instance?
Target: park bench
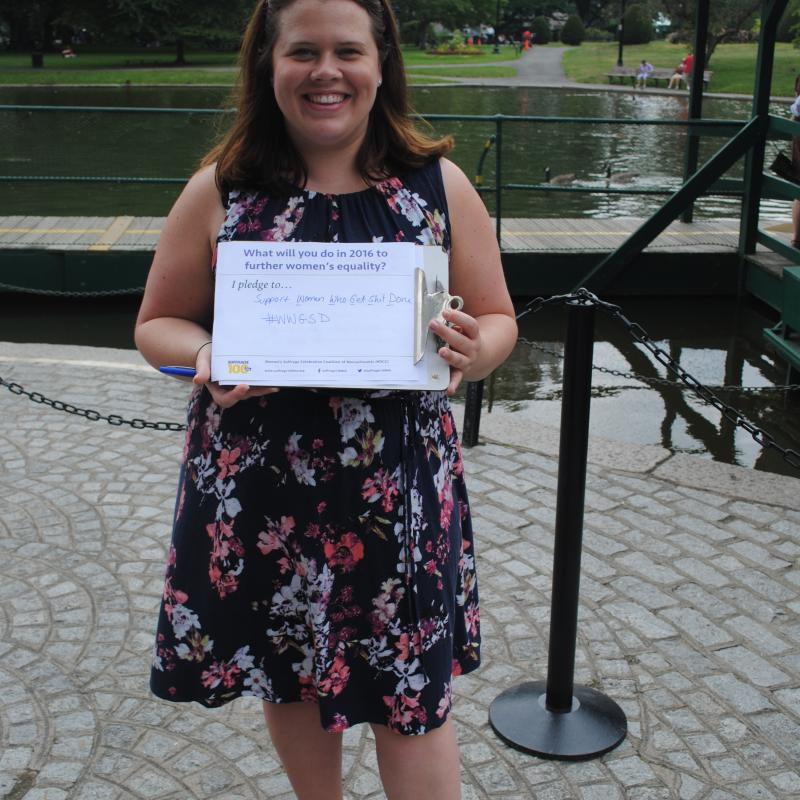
(619, 74)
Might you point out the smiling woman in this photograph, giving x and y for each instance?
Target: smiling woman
(322, 555)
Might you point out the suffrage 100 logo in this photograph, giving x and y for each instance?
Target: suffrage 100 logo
(239, 367)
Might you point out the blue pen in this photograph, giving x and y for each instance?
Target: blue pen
(184, 372)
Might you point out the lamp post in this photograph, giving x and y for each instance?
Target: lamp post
(621, 30)
(496, 48)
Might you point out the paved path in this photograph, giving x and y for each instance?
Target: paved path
(689, 615)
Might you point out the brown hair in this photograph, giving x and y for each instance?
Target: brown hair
(257, 151)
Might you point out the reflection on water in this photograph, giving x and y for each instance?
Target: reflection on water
(170, 145)
(712, 339)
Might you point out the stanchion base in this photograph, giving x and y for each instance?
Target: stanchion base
(595, 725)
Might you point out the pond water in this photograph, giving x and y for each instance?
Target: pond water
(158, 145)
(718, 342)
(714, 339)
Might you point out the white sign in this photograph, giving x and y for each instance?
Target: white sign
(319, 314)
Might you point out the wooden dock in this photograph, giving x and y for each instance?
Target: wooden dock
(540, 256)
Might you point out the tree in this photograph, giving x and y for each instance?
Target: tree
(417, 18)
(573, 32)
(540, 28)
(36, 23)
(597, 13)
(638, 27)
(727, 19)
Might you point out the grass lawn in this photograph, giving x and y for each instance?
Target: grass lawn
(465, 72)
(414, 57)
(157, 66)
(733, 65)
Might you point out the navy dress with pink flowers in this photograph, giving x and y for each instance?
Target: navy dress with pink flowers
(322, 546)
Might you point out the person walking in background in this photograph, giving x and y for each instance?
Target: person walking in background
(643, 73)
(322, 554)
(795, 112)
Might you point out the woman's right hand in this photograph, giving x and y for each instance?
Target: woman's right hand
(224, 396)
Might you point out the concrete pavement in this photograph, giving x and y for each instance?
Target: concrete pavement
(690, 596)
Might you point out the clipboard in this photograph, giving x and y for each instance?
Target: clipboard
(241, 348)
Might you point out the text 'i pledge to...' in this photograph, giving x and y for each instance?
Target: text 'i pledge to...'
(311, 300)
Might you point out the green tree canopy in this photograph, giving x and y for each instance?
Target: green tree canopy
(727, 19)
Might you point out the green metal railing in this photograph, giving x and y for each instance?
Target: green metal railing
(744, 138)
(500, 122)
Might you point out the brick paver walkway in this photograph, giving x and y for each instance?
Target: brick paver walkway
(689, 615)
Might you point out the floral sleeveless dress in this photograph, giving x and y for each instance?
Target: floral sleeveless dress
(322, 546)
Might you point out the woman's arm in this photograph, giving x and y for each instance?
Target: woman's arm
(175, 318)
(484, 333)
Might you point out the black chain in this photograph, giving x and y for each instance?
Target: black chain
(585, 297)
(87, 413)
(7, 287)
(651, 381)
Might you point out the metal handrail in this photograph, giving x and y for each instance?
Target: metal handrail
(695, 127)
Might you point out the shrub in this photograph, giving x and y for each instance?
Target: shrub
(573, 31)
(638, 26)
(787, 27)
(599, 35)
(540, 28)
(455, 46)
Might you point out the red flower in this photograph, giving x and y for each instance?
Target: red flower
(346, 552)
(337, 677)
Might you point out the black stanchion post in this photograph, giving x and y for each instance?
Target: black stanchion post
(472, 413)
(556, 719)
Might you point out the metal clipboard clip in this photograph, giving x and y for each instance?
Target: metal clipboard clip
(429, 306)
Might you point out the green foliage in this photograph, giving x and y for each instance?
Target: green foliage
(573, 32)
(540, 28)
(599, 35)
(638, 27)
(456, 45)
(789, 26)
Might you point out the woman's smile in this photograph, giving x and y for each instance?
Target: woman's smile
(326, 73)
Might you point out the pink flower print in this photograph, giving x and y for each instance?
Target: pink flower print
(227, 462)
(313, 530)
(274, 538)
(172, 558)
(407, 646)
(405, 711)
(472, 616)
(446, 506)
(436, 226)
(317, 443)
(338, 675)
(308, 692)
(345, 553)
(339, 724)
(447, 425)
(444, 703)
(455, 669)
(380, 487)
(321, 506)
(217, 673)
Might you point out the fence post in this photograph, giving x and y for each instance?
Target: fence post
(556, 719)
(472, 413)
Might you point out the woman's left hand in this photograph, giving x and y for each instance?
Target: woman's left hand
(462, 338)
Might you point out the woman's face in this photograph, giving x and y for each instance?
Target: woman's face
(325, 72)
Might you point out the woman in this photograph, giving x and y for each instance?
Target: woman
(322, 546)
(794, 109)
